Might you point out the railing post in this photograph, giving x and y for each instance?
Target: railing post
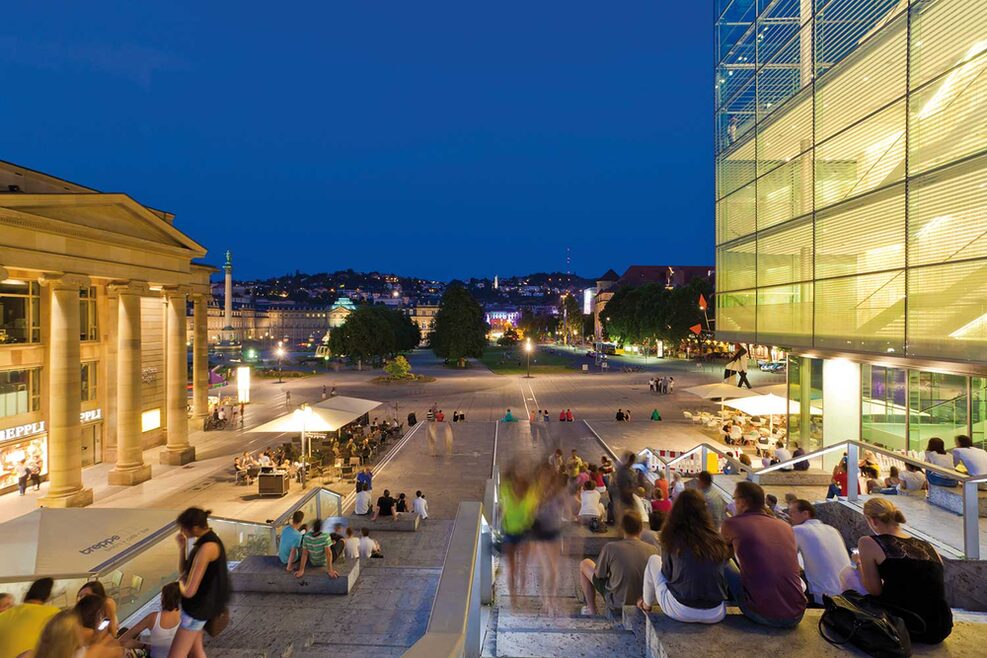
(852, 472)
(971, 521)
(474, 635)
(486, 565)
(703, 456)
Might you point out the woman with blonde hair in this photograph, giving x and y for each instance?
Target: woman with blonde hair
(903, 572)
(62, 637)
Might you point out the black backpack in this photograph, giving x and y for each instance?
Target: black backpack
(853, 618)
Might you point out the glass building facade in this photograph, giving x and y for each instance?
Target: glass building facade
(851, 196)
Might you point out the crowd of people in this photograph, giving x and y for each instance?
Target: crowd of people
(686, 549)
(89, 629)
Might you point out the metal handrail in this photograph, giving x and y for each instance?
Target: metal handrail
(704, 449)
(454, 629)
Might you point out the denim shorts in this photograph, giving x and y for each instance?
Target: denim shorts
(190, 623)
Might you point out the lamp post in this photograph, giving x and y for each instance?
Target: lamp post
(527, 351)
(280, 353)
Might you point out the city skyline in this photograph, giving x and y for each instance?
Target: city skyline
(498, 138)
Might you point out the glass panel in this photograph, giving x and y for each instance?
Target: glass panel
(862, 313)
(736, 118)
(14, 319)
(805, 381)
(735, 318)
(947, 116)
(946, 214)
(18, 391)
(867, 156)
(785, 192)
(943, 35)
(785, 136)
(735, 18)
(784, 315)
(787, 72)
(947, 310)
(862, 236)
(874, 78)
(843, 25)
(736, 169)
(937, 407)
(785, 255)
(978, 409)
(88, 381)
(883, 406)
(735, 215)
(736, 266)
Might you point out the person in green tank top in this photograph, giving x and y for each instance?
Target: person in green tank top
(518, 502)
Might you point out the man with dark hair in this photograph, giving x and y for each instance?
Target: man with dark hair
(385, 506)
(289, 544)
(824, 554)
(974, 460)
(714, 501)
(619, 574)
(21, 626)
(766, 587)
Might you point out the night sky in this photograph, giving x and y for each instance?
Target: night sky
(435, 139)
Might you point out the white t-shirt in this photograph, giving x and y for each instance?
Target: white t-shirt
(973, 459)
(642, 508)
(911, 480)
(589, 503)
(362, 505)
(351, 547)
(678, 486)
(783, 454)
(824, 556)
(939, 459)
(420, 506)
(367, 546)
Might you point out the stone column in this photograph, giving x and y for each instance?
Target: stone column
(177, 450)
(130, 468)
(200, 356)
(64, 394)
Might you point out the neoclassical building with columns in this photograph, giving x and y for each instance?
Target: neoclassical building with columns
(94, 348)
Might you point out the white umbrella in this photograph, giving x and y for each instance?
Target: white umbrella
(768, 405)
(719, 390)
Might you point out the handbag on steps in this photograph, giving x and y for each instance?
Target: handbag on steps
(875, 628)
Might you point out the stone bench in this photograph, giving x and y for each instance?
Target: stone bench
(951, 498)
(406, 522)
(809, 478)
(738, 637)
(265, 573)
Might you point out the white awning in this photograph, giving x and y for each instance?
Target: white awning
(71, 542)
(719, 391)
(769, 405)
(326, 416)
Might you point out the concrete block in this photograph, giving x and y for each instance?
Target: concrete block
(404, 523)
(580, 541)
(951, 498)
(265, 573)
(812, 477)
(178, 457)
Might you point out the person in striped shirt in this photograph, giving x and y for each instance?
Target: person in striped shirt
(317, 551)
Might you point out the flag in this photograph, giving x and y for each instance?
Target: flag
(696, 329)
(702, 302)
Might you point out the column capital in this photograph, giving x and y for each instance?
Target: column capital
(201, 297)
(64, 280)
(170, 292)
(129, 288)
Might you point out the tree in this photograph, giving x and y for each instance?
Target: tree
(372, 333)
(649, 313)
(398, 368)
(459, 330)
(571, 318)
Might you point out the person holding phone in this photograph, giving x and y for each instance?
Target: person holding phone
(95, 626)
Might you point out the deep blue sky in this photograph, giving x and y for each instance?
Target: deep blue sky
(437, 139)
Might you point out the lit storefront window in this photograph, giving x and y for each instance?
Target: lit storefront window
(20, 391)
(150, 420)
(14, 456)
(20, 312)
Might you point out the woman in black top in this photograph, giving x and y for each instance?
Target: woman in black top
(402, 504)
(904, 572)
(204, 583)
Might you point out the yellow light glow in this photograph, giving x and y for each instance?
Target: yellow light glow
(243, 384)
(150, 420)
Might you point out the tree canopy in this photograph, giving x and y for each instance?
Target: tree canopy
(460, 330)
(652, 312)
(371, 333)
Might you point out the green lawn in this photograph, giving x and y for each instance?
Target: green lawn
(505, 360)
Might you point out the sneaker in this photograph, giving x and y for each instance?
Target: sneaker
(584, 612)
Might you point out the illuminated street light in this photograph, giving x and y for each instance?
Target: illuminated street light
(280, 352)
(527, 350)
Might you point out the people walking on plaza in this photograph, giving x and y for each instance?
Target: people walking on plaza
(518, 501)
(531, 415)
(21, 625)
(671, 385)
(651, 384)
(23, 475)
(316, 551)
(904, 572)
(738, 363)
(618, 573)
(204, 581)
(824, 555)
(546, 532)
(420, 505)
(35, 467)
(545, 417)
(687, 578)
(767, 586)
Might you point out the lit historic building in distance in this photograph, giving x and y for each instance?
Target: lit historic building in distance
(851, 209)
(94, 291)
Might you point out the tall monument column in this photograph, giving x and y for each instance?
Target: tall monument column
(177, 450)
(229, 336)
(200, 356)
(130, 468)
(64, 394)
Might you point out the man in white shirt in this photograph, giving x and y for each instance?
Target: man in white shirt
(590, 506)
(368, 545)
(351, 545)
(821, 550)
(974, 460)
(782, 454)
(420, 505)
(362, 504)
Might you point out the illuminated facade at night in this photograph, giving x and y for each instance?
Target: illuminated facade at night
(851, 208)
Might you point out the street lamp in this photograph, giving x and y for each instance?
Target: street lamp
(280, 353)
(527, 350)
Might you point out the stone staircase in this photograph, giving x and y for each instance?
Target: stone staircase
(523, 628)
